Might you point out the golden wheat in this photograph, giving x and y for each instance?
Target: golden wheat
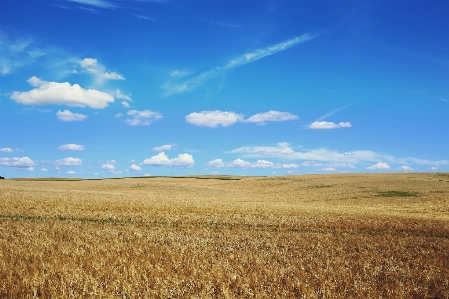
(311, 236)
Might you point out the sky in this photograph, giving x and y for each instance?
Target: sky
(114, 88)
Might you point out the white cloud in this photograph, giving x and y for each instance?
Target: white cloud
(122, 96)
(107, 166)
(433, 168)
(329, 125)
(6, 150)
(142, 118)
(135, 167)
(70, 161)
(44, 170)
(71, 147)
(125, 104)
(71, 172)
(280, 150)
(183, 160)
(110, 167)
(54, 93)
(405, 168)
(239, 163)
(328, 169)
(271, 115)
(67, 115)
(291, 165)
(261, 53)
(192, 83)
(162, 148)
(379, 166)
(224, 118)
(143, 17)
(23, 163)
(345, 159)
(96, 3)
(213, 118)
(216, 163)
(17, 53)
(344, 165)
(91, 66)
(118, 115)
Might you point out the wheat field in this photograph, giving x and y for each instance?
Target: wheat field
(307, 236)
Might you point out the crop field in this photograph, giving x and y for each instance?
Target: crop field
(307, 236)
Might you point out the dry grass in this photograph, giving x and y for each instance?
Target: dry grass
(311, 236)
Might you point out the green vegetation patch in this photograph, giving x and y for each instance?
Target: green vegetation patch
(397, 194)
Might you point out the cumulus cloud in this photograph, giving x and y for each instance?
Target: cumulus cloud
(44, 170)
(6, 150)
(329, 125)
(54, 93)
(213, 118)
(125, 104)
(262, 118)
(67, 115)
(71, 172)
(23, 163)
(71, 147)
(110, 167)
(216, 163)
(162, 148)
(91, 66)
(142, 118)
(405, 168)
(107, 166)
(70, 161)
(161, 159)
(379, 166)
(135, 167)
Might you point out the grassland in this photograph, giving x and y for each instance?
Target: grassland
(310, 236)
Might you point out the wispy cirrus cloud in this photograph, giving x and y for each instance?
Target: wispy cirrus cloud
(98, 71)
(172, 87)
(96, 3)
(284, 151)
(17, 53)
(325, 125)
(259, 164)
(216, 118)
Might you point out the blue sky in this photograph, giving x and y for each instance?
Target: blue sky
(111, 88)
